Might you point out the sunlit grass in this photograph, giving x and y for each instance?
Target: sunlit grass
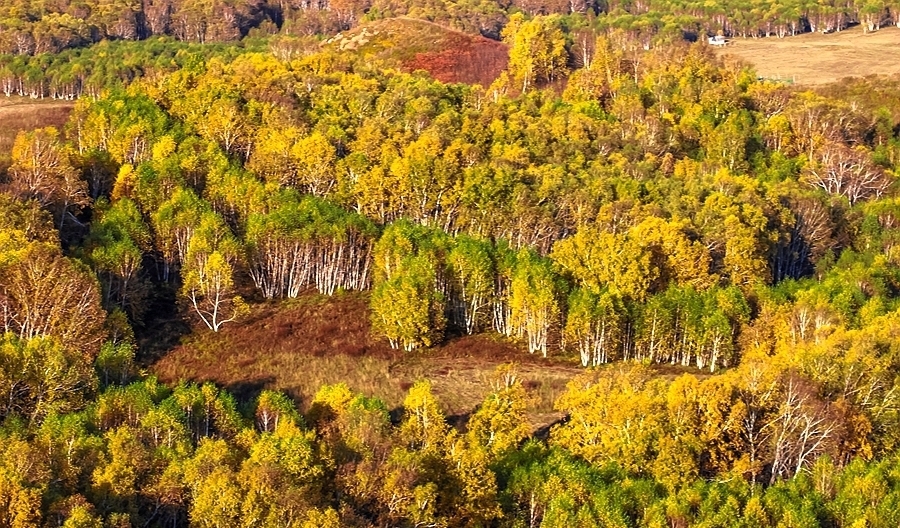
(20, 113)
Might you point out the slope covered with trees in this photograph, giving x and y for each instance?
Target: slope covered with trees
(654, 206)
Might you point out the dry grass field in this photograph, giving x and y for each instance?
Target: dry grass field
(299, 345)
(814, 59)
(21, 113)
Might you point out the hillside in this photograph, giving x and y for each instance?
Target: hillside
(282, 285)
(448, 55)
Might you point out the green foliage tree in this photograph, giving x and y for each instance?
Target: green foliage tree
(471, 264)
(534, 300)
(116, 245)
(595, 325)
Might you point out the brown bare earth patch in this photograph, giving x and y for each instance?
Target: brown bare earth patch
(447, 55)
(814, 58)
(300, 345)
(466, 59)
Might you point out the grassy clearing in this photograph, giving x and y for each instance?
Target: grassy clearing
(21, 113)
(813, 58)
(300, 345)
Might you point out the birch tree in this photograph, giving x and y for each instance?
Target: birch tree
(600, 260)
(305, 242)
(41, 170)
(43, 293)
(174, 223)
(208, 274)
(500, 423)
(407, 309)
(505, 265)
(472, 268)
(848, 172)
(538, 51)
(533, 300)
(408, 302)
(39, 375)
(595, 323)
(801, 430)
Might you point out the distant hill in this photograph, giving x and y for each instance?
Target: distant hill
(448, 55)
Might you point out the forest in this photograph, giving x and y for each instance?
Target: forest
(713, 250)
(33, 27)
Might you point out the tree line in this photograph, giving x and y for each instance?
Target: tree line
(38, 28)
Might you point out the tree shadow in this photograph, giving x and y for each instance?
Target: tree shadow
(247, 391)
(460, 422)
(163, 325)
(543, 432)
